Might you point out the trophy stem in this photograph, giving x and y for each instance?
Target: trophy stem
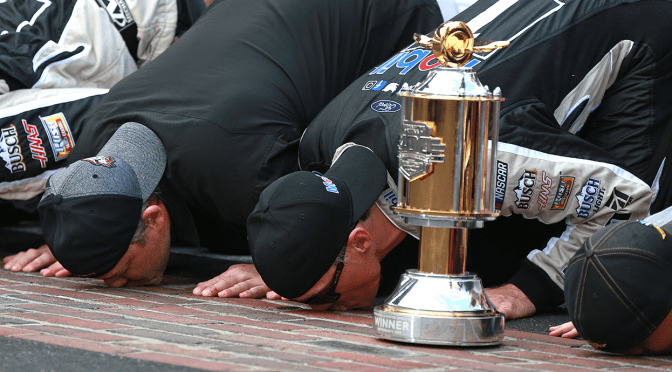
(442, 251)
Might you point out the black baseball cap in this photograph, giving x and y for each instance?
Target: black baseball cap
(302, 220)
(618, 286)
(91, 209)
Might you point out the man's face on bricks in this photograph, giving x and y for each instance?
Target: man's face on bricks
(144, 264)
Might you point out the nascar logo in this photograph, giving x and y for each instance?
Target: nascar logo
(500, 185)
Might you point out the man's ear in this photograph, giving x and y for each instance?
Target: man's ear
(359, 239)
(155, 216)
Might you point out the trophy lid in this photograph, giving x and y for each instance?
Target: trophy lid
(453, 44)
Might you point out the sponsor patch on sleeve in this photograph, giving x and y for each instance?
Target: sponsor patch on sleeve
(60, 136)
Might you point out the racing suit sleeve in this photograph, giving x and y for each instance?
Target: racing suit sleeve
(580, 187)
(76, 43)
(38, 129)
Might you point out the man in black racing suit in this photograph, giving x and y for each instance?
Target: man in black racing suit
(583, 140)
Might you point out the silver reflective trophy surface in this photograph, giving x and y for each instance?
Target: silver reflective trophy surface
(447, 160)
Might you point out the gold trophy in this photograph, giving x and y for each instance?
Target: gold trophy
(447, 160)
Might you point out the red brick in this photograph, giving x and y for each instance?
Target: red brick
(209, 365)
(7, 331)
(545, 347)
(63, 331)
(254, 341)
(245, 312)
(298, 356)
(63, 292)
(261, 332)
(179, 310)
(257, 323)
(481, 357)
(476, 364)
(345, 366)
(155, 315)
(7, 283)
(129, 302)
(63, 310)
(66, 320)
(177, 350)
(141, 294)
(77, 344)
(356, 317)
(542, 338)
(562, 359)
(275, 365)
(351, 337)
(337, 326)
(376, 360)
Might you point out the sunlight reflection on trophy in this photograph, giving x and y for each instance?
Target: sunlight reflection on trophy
(447, 160)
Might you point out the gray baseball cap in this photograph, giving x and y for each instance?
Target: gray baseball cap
(91, 209)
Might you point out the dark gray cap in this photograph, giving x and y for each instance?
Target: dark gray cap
(91, 209)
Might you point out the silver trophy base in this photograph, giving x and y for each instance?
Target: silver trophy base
(439, 310)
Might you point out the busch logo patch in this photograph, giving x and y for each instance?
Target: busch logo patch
(328, 183)
(590, 196)
(500, 184)
(103, 161)
(562, 193)
(10, 150)
(418, 150)
(60, 137)
(35, 143)
(386, 106)
(525, 188)
(546, 183)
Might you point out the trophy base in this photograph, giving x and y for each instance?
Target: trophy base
(439, 310)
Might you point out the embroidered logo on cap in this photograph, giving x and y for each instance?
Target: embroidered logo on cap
(105, 161)
(327, 182)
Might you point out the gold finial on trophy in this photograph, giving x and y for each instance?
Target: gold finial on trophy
(453, 44)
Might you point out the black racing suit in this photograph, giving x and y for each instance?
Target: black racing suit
(584, 128)
(232, 96)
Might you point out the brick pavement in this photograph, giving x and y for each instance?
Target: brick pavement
(167, 324)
